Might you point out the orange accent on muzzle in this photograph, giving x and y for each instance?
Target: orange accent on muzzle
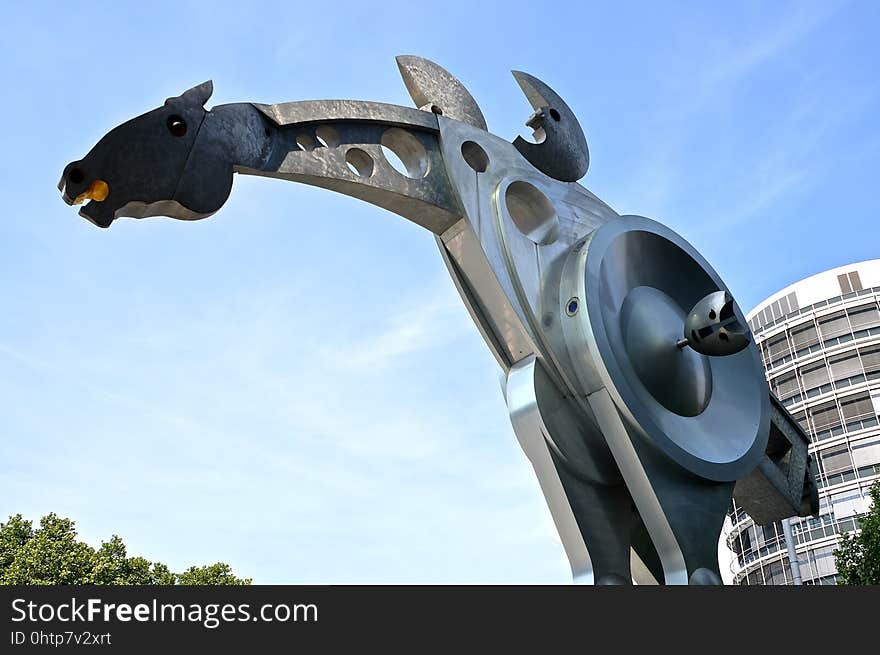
(97, 191)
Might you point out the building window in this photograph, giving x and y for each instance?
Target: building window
(847, 503)
(846, 370)
(777, 348)
(866, 456)
(834, 326)
(826, 420)
(777, 310)
(849, 282)
(815, 379)
(864, 317)
(804, 337)
(787, 387)
(774, 573)
(870, 361)
(858, 411)
(817, 566)
(836, 460)
(837, 465)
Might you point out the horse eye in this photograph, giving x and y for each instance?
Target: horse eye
(176, 125)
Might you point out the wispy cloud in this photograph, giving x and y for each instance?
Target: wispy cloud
(432, 320)
(738, 59)
(793, 160)
(715, 86)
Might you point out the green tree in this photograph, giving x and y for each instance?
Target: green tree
(111, 566)
(52, 555)
(49, 555)
(858, 554)
(216, 574)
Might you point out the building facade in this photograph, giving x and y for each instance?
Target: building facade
(820, 343)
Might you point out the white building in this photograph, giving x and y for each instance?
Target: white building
(820, 342)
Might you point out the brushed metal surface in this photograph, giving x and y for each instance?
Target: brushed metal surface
(436, 90)
(636, 441)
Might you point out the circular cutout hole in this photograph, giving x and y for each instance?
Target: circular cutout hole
(475, 156)
(306, 141)
(436, 110)
(392, 158)
(554, 115)
(76, 176)
(532, 212)
(572, 307)
(723, 336)
(405, 153)
(359, 162)
(176, 125)
(327, 136)
(711, 314)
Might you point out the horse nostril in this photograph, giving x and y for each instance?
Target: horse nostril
(76, 176)
(98, 191)
(176, 125)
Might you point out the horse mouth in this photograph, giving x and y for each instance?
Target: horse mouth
(95, 193)
(98, 191)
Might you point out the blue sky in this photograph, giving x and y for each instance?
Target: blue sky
(292, 386)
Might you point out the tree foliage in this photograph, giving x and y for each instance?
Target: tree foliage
(858, 555)
(216, 574)
(52, 555)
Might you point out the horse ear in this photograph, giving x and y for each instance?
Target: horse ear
(198, 94)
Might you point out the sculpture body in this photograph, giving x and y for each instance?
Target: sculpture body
(637, 429)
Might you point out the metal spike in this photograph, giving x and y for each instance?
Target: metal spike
(433, 88)
(562, 153)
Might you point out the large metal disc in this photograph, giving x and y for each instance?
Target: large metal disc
(635, 281)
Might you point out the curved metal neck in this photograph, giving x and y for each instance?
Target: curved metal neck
(342, 145)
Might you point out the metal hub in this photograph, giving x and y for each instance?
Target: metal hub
(679, 379)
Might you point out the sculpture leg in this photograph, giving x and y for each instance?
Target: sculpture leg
(606, 517)
(695, 509)
(586, 494)
(682, 513)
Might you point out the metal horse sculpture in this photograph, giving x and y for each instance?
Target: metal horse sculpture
(632, 381)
